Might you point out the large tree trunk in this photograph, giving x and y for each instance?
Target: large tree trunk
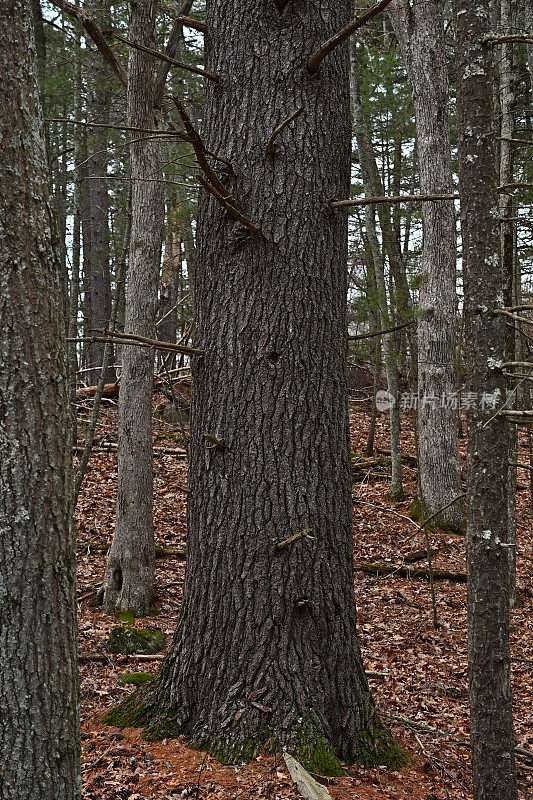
(129, 575)
(491, 709)
(266, 652)
(39, 724)
(419, 28)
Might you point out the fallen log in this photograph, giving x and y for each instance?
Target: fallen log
(112, 447)
(418, 555)
(411, 460)
(110, 390)
(160, 552)
(409, 572)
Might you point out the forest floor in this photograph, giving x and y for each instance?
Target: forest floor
(422, 691)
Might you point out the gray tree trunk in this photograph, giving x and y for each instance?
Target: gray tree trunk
(419, 28)
(129, 574)
(266, 651)
(491, 711)
(39, 720)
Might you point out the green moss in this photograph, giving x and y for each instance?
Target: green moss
(136, 640)
(415, 510)
(316, 755)
(166, 729)
(134, 678)
(313, 751)
(131, 713)
(126, 617)
(378, 747)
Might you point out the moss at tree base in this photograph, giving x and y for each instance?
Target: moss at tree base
(134, 678)
(375, 747)
(379, 748)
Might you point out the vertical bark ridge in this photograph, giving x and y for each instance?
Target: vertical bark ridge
(266, 650)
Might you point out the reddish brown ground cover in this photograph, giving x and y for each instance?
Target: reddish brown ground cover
(424, 670)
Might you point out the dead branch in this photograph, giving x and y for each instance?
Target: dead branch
(280, 128)
(96, 35)
(524, 37)
(318, 57)
(195, 24)
(201, 153)
(381, 333)
(232, 211)
(296, 538)
(163, 57)
(143, 340)
(406, 198)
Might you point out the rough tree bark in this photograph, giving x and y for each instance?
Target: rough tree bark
(39, 722)
(129, 574)
(97, 276)
(419, 29)
(266, 652)
(507, 78)
(491, 712)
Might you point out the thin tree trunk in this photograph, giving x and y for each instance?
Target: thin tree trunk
(266, 652)
(419, 28)
(129, 574)
(362, 136)
(39, 722)
(96, 258)
(507, 232)
(491, 712)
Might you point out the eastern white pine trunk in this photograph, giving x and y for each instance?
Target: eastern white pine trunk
(491, 712)
(39, 715)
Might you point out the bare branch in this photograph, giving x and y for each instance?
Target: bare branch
(277, 131)
(163, 57)
(381, 333)
(229, 207)
(195, 24)
(406, 198)
(526, 38)
(318, 57)
(201, 153)
(295, 538)
(96, 35)
(143, 340)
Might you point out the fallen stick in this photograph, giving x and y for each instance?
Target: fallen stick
(409, 572)
(104, 657)
(520, 752)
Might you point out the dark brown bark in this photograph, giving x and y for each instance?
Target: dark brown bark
(129, 575)
(488, 435)
(39, 724)
(96, 269)
(266, 651)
